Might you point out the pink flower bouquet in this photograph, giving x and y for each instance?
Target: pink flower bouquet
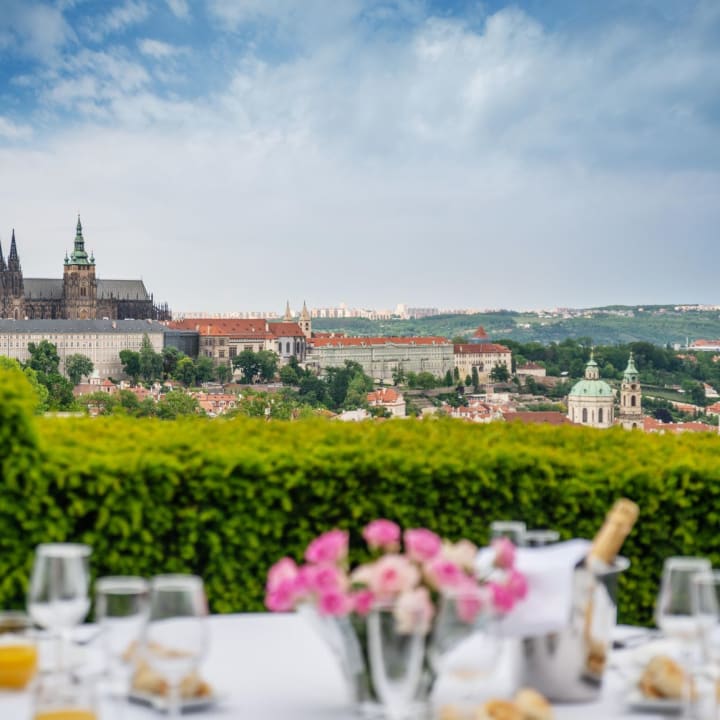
(410, 571)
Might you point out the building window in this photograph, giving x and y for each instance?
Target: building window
(287, 348)
(632, 401)
(600, 415)
(584, 415)
(83, 292)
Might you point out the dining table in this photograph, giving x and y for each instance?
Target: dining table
(275, 666)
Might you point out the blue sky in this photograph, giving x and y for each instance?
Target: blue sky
(237, 153)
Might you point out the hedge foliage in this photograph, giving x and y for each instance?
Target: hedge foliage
(225, 499)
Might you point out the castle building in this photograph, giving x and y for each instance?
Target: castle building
(630, 414)
(591, 401)
(79, 295)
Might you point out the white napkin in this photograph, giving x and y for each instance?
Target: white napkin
(549, 573)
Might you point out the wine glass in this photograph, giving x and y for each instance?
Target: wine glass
(58, 597)
(396, 651)
(706, 607)
(175, 634)
(540, 538)
(62, 697)
(122, 604)
(674, 611)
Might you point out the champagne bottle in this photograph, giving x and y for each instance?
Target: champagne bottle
(610, 537)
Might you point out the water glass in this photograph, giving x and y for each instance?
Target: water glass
(396, 660)
(122, 604)
(58, 598)
(513, 530)
(674, 613)
(61, 697)
(175, 635)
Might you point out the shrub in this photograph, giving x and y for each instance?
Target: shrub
(225, 499)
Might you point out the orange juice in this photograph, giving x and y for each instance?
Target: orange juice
(66, 714)
(18, 663)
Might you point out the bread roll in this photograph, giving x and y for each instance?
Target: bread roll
(499, 710)
(533, 705)
(664, 678)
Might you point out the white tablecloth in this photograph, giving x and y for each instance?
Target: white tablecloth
(275, 667)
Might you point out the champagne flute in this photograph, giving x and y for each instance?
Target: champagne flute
(58, 597)
(175, 634)
(122, 604)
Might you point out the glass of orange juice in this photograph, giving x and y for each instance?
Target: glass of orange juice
(61, 697)
(18, 651)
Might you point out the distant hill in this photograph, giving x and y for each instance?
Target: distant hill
(659, 325)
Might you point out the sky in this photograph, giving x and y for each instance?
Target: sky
(237, 154)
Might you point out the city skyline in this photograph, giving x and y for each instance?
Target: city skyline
(460, 154)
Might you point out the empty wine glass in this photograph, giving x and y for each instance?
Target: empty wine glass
(674, 611)
(396, 653)
(175, 635)
(706, 606)
(58, 597)
(121, 609)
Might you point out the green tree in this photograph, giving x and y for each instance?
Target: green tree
(426, 380)
(44, 357)
(185, 371)
(223, 374)
(204, 370)
(130, 360)
(60, 390)
(448, 378)
(268, 363)
(288, 375)
(171, 356)
(77, 365)
(41, 392)
(500, 373)
(101, 402)
(128, 401)
(151, 362)
(475, 379)
(468, 380)
(398, 375)
(248, 364)
(175, 404)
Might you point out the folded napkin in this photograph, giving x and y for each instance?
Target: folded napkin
(549, 573)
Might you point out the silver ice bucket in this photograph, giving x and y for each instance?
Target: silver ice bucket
(568, 665)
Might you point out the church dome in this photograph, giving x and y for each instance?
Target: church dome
(592, 386)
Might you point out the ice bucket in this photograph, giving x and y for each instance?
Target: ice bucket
(568, 665)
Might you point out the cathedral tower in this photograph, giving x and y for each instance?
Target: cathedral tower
(13, 290)
(305, 322)
(630, 415)
(79, 283)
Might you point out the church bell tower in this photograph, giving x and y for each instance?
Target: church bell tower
(630, 415)
(79, 283)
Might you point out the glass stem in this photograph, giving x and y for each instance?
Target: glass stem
(174, 700)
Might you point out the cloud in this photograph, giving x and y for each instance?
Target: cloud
(119, 19)
(33, 30)
(179, 8)
(158, 49)
(12, 131)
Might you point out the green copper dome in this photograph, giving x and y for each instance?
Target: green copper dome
(591, 388)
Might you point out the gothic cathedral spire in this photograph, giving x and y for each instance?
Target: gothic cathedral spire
(13, 258)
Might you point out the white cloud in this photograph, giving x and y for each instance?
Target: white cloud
(179, 8)
(33, 30)
(131, 12)
(12, 131)
(158, 49)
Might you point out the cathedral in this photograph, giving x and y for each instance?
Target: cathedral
(79, 295)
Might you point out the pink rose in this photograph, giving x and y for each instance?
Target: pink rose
(321, 578)
(392, 574)
(382, 534)
(363, 601)
(517, 584)
(413, 611)
(502, 598)
(462, 553)
(504, 553)
(282, 597)
(330, 547)
(422, 544)
(443, 574)
(283, 569)
(334, 602)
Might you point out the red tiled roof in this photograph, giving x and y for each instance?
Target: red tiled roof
(531, 366)
(286, 329)
(221, 327)
(480, 332)
(362, 341)
(383, 395)
(715, 408)
(480, 348)
(653, 425)
(549, 417)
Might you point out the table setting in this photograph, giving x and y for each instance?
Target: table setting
(422, 629)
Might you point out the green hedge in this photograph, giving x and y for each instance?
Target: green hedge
(225, 499)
